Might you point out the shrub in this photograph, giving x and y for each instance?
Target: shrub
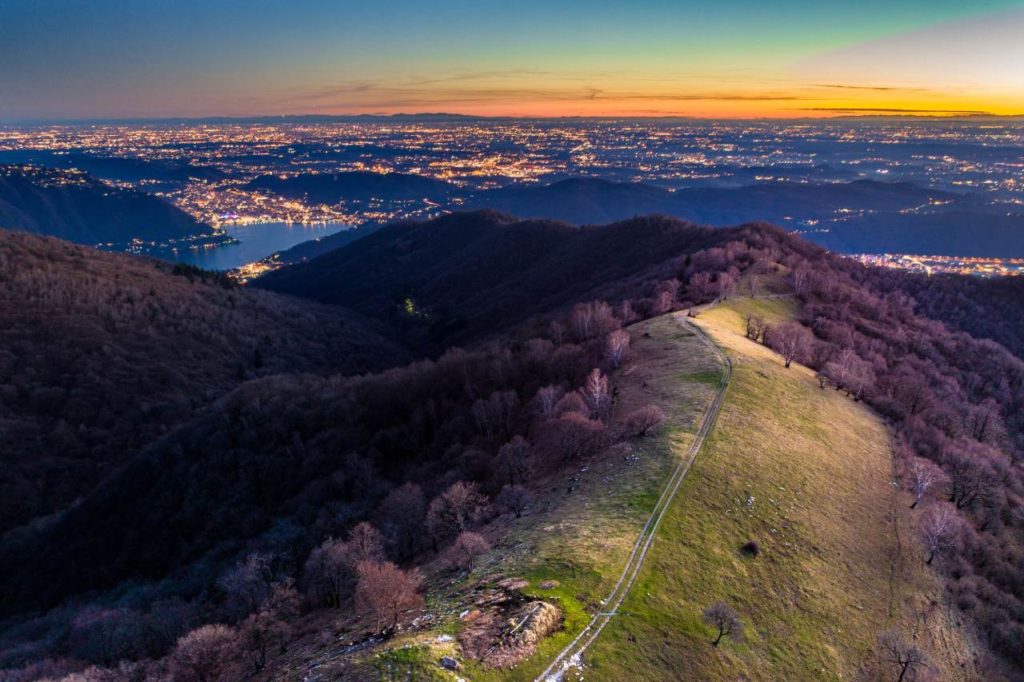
(750, 548)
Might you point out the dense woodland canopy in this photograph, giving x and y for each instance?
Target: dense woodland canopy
(296, 492)
(467, 274)
(101, 354)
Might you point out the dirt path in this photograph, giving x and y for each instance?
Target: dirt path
(571, 655)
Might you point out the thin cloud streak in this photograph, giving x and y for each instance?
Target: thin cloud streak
(899, 110)
(365, 94)
(872, 88)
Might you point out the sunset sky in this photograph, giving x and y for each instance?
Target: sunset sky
(62, 59)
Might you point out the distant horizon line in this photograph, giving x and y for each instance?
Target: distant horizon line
(454, 116)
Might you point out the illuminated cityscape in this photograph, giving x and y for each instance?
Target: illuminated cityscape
(214, 163)
(933, 265)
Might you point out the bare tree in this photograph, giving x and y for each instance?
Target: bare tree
(755, 327)
(643, 419)
(514, 459)
(726, 285)
(984, 422)
(255, 637)
(581, 321)
(753, 281)
(572, 435)
(938, 530)
(247, 583)
(725, 619)
(557, 332)
(514, 498)
(387, 592)
(922, 476)
(615, 347)
(587, 320)
(466, 548)
(493, 415)
(454, 510)
(105, 635)
(546, 399)
(971, 477)
(166, 622)
(365, 543)
(701, 288)
(572, 403)
(202, 655)
(790, 340)
(595, 393)
(906, 658)
(269, 627)
(849, 372)
(801, 277)
(400, 517)
(538, 352)
(626, 312)
(663, 300)
(329, 573)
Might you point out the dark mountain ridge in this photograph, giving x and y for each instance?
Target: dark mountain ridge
(580, 199)
(101, 353)
(577, 200)
(466, 274)
(862, 216)
(124, 169)
(75, 206)
(361, 186)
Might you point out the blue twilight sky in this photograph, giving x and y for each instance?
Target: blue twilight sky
(96, 58)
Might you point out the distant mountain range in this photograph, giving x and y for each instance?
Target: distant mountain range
(586, 200)
(864, 216)
(859, 216)
(971, 233)
(362, 186)
(76, 206)
(118, 168)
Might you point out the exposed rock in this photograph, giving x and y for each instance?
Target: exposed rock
(513, 583)
(507, 632)
(534, 621)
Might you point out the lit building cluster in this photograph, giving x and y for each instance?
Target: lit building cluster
(961, 265)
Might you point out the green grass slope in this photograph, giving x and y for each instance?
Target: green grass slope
(585, 521)
(806, 473)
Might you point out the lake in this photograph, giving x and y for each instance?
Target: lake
(258, 241)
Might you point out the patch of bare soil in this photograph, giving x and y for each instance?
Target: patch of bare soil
(504, 627)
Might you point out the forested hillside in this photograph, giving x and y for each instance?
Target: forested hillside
(102, 353)
(451, 279)
(75, 206)
(304, 498)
